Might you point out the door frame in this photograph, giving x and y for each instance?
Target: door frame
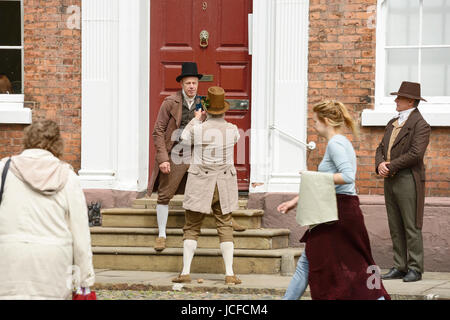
(152, 115)
(265, 31)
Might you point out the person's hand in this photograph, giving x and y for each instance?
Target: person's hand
(383, 170)
(165, 167)
(285, 206)
(200, 115)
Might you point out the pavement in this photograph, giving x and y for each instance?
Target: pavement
(433, 286)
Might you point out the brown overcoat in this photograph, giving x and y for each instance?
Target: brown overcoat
(408, 151)
(169, 120)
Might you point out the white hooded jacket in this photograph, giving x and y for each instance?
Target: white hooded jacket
(44, 229)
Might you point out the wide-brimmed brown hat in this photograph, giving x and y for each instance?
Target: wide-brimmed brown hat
(217, 102)
(409, 90)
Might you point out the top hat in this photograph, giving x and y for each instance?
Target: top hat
(217, 103)
(409, 90)
(189, 69)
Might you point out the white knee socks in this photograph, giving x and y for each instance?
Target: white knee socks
(189, 247)
(227, 254)
(162, 214)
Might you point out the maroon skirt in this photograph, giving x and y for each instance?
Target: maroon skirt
(339, 256)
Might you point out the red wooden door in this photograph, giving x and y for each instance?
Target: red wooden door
(175, 38)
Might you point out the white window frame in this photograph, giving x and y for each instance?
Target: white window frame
(12, 108)
(436, 110)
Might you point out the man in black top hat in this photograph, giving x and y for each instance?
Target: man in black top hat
(171, 161)
(175, 113)
(399, 160)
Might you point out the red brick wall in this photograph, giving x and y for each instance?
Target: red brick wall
(341, 66)
(52, 79)
(342, 48)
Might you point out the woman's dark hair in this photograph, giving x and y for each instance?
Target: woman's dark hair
(44, 135)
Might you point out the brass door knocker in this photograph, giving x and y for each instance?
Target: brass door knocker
(204, 37)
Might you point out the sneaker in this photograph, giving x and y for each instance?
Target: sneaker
(160, 244)
(182, 279)
(232, 280)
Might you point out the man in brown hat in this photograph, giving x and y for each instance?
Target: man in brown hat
(399, 160)
(171, 164)
(211, 187)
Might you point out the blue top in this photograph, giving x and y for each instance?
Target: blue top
(340, 157)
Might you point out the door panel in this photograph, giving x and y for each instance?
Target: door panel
(177, 13)
(175, 38)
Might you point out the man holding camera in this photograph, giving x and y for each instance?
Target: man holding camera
(172, 160)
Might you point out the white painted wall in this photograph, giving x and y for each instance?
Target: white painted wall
(115, 94)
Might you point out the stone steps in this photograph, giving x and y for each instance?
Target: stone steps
(175, 203)
(127, 237)
(146, 218)
(273, 261)
(257, 239)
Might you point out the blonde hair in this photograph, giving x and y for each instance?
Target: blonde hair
(44, 135)
(336, 113)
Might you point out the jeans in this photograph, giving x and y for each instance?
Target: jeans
(299, 281)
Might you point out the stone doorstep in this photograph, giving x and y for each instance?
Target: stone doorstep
(134, 211)
(258, 284)
(175, 203)
(274, 253)
(146, 218)
(246, 261)
(145, 237)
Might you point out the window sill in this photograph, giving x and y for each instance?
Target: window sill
(435, 115)
(12, 109)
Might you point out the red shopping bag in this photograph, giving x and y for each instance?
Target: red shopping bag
(83, 294)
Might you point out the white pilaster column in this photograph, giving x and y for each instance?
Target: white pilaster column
(263, 54)
(279, 94)
(115, 77)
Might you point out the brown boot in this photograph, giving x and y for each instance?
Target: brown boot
(182, 279)
(232, 280)
(160, 244)
(237, 227)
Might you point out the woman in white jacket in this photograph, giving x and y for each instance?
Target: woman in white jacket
(44, 229)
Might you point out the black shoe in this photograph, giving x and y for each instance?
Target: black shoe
(394, 273)
(412, 276)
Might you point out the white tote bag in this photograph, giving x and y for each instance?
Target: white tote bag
(317, 199)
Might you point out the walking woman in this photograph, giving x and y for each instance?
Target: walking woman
(337, 262)
(44, 227)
